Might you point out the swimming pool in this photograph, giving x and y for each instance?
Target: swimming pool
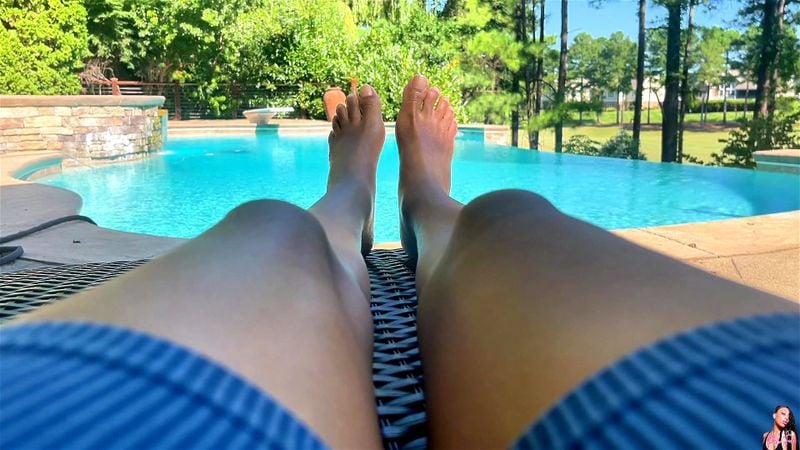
(195, 181)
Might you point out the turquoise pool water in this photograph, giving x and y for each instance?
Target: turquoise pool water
(194, 182)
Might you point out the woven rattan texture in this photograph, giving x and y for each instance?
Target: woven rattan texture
(27, 290)
(396, 367)
(397, 373)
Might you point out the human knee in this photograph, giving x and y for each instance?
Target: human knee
(505, 208)
(275, 219)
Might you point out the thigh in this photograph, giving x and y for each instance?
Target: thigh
(528, 302)
(262, 294)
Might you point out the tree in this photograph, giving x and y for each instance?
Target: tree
(522, 37)
(421, 43)
(775, 56)
(769, 55)
(562, 75)
(42, 46)
(712, 65)
(369, 11)
(656, 62)
(534, 136)
(308, 43)
(669, 127)
(685, 94)
(728, 79)
(618, 57)
(640, 49)
(490, 55)
(585, 64)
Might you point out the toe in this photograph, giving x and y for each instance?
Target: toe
(370, 103)
(414, 93)
(342, 115)
(430, 101)
(452, 130)
(442, 107)
(449, 117)
(353, 109)
(335, 125)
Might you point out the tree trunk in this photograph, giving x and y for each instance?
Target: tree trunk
(669, 128)
(766, 57)
(746, 96)
(773, 91)
(539, 69)
(705, 103)
(562, 76)
(685, 79)
(618, 116)
(528, 69)
(637, 102)
(725, 91)
(517, 77)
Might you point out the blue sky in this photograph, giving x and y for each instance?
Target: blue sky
(621, 15)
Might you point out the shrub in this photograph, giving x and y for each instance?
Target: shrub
(306, 43)
(620, 146)
(42, 46)
(734, 105)
(774, 132)
(389, 53)
(582, 145)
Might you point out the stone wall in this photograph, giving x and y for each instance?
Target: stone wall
(84, 128)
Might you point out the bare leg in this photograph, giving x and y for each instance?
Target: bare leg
(267, 295)
(425, 221)
(522, 302)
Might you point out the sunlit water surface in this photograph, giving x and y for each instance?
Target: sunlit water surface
(194, 182)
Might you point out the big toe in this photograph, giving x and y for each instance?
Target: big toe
(370, 103)
(414, 93)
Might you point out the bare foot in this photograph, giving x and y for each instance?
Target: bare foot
(425, 136)
(355, 145)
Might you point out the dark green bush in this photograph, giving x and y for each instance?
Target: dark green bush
(582, 145)
(774, 132)
(619, 146)
(734, 105)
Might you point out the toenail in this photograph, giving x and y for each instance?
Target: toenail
(419, 81)
(366, 91)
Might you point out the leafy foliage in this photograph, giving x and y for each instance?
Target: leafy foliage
(489, 54)
(389, 53)
(619, 146)
(580, 144)
(309, 43)
(774, 132)
(603, 64)
(42, 46)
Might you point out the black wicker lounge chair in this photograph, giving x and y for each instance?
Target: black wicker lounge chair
(397, 373)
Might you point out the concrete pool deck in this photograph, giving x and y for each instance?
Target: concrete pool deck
(759, 251)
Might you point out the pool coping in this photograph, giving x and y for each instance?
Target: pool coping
(760, 251)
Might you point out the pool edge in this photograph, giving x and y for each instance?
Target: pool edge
(713, 246)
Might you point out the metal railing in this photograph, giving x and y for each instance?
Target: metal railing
(191, 101)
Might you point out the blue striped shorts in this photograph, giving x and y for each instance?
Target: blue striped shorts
(79, 385)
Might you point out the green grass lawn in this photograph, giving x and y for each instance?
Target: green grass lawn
(697, 143)
(609, 117)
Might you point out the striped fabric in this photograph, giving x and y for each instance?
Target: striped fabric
(79, 385)
(85, 386)
(714, 387)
